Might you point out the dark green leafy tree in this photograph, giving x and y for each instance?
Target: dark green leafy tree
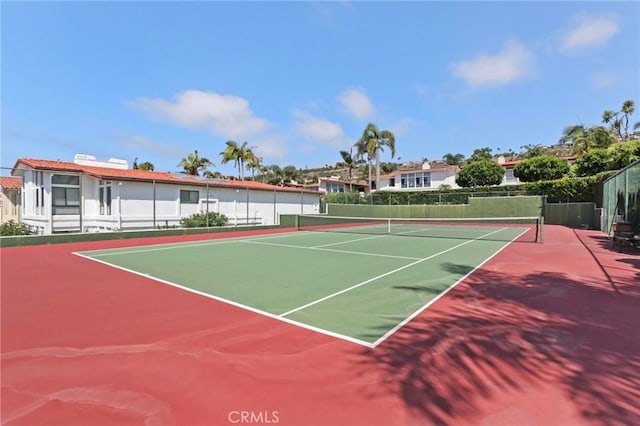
(273, 175)
(480, 172)
(593, 162)
(453, 159)
(481, 154)
(289, 173)
(142, 166)
(543, 167)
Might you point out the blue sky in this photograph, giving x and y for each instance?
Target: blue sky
(300, 80)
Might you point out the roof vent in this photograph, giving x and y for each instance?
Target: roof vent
(90, 160)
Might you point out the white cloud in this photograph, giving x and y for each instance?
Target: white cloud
(590, 31)
(514, 62)
(402, 126)
(356, 103)
(225, 115)
(271, 148)
(321, 130)
(602, 80)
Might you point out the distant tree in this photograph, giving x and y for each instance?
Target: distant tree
(239, 154)
(142, 166)
(376, 140)
(453, 159)
(543, 167)
(365, 149)
(481, 154)
(274, 175)
(628, 108)
(593, 162)
(531, 151)
(481, 172)
(582, 138)
(289, 173)
(387, 167)
(193, 164)
(351, 162)
(212, 175)
(253, 163)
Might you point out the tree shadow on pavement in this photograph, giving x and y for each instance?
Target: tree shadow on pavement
(498, 332)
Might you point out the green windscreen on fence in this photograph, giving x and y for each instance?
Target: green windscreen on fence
(621, 198)
(518, 206)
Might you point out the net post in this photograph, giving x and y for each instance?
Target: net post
(388, 226)
(540, 229)
(297, 222)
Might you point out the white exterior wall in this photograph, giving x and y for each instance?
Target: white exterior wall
(438, 178)
(132, 205)
(38, 218)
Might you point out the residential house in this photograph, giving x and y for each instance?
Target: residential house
(10, 198)
(90, 195)
(427, 178)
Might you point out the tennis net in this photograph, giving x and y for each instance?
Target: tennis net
(525, 229)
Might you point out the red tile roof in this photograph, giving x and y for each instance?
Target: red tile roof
(148, 176)
(8, 182)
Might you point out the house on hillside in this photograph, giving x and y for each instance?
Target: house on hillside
(427, 178)
(333, 184)
(10, 188)
(508, 166)
(89, 195)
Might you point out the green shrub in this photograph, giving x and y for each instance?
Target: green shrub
(200, 220)
(14, 228)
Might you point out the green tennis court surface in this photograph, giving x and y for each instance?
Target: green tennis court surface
(358, 287)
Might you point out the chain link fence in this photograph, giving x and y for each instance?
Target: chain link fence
(621, 198)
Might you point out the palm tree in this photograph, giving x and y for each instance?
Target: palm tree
(193, 163)
(253, 163)
(239, 154)
(363, 148)
(575, 135)
(351, 162)
(377, 139)
(582, 139)
(628, 108)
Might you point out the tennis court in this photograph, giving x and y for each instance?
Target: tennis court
(360, 280)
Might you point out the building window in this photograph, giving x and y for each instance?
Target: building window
(392, 182)
(65, 180)
(415, 180)
(38, 180)
(335, 187)
(65, 193)
(104, 197)
(189, 197)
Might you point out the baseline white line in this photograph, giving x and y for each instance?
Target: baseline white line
(337, 293)
(331, 250)
(435, 299)
(236, 304)
(171, 246)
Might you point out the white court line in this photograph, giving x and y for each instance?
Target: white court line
(171, 246)
(435, 299)
(337, 293)
(331, 250)
(350, 241)
(239, 305)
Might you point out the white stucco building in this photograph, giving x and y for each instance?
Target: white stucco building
(427, 178)
(89, 195)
